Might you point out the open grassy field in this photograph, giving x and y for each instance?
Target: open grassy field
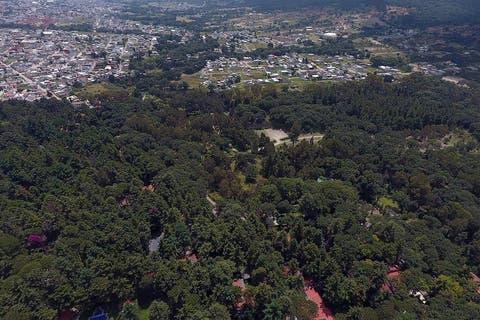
(193, 80)
(93, 90)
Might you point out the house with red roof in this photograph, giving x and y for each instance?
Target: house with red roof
(393, 274)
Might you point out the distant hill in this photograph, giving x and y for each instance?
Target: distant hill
(285, 4)
(432, 12)
(425, 13)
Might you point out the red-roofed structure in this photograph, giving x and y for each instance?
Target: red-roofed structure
(323, 312)
(239, 283)
(393, 274)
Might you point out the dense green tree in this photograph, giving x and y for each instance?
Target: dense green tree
(108, 207)
(159, 310)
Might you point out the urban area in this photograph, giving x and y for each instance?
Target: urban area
(51, 48)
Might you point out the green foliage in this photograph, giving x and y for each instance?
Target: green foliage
(159, 310)
(387, 203)
(82, 193)
(395, 62)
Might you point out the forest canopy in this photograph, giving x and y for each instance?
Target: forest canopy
(176, 205)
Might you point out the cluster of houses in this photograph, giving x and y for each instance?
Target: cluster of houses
(36, 63)
(225, 73)
(48, 46)
(245, 40)
(124, 26)
(44, 13)
(427, 68)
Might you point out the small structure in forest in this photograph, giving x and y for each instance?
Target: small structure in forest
(393, 274)
(190, 256)
(420, 295)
